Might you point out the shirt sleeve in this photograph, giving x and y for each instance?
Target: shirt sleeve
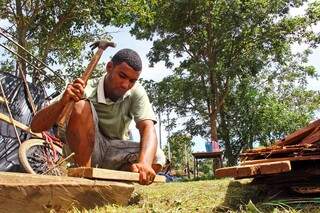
(141, 108)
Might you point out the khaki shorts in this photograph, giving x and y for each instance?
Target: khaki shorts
(116, 154)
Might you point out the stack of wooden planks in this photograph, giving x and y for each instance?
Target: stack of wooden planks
(294, 158)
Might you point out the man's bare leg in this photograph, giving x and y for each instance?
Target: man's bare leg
(81, 133)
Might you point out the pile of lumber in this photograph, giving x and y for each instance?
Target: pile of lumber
(293, 159)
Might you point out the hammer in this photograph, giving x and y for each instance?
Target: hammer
(67, 110)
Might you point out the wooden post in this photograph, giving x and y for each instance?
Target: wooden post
(194, 167)
(213, 161)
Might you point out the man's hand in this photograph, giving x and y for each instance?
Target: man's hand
(73, 92)
(146, 172)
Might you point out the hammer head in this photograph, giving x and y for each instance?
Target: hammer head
(102, 44)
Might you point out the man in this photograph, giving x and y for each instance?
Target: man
(98, 126)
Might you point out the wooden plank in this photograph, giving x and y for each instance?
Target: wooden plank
(275, 167)
(299, 134)
(306, 190)
(198, 155)
(26, 193)
(3, 100)
(280, 150)
(296, 158)
(18, 124)
(107, 174)
(312, 138)
(254, 170)
(283, 152)
(262, 149)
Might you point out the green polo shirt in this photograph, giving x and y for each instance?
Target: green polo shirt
(115, 117)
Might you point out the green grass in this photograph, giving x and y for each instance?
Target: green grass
(220, 195)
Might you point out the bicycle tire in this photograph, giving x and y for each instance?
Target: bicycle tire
(31, 152)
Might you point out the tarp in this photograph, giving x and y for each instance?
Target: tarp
(21, 110)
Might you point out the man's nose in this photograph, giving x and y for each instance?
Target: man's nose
(125, 84)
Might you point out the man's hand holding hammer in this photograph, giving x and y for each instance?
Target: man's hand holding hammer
(74, 92)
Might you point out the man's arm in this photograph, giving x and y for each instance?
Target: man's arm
(148, 147)
(48, 116)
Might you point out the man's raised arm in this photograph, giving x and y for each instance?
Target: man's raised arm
(48, 116)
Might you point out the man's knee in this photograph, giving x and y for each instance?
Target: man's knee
(81, 115)
(81, 111)
(81, 108)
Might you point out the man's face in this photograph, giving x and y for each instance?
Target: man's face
(121, 78)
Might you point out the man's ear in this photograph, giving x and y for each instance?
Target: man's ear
(109, 66)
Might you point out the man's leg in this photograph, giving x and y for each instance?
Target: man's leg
(81, 133)
(121, 154)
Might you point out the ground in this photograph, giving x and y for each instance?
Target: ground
(218, 195)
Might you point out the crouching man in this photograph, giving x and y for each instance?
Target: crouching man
(97, 130)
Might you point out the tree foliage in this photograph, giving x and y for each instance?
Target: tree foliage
(180, 146)
(223, 44)
(57, 32)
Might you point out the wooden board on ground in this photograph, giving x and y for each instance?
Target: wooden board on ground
(20, 192)
(254, 170)
(107, 174)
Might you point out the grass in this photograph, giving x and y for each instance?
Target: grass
(218, 195)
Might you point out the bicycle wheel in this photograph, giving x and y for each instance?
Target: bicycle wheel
(37, 157)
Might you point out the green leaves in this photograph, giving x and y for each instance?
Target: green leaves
(58, 32)
(237, 73)
(180, 147)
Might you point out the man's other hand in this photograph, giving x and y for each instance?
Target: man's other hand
(146, 172)
(74, 91)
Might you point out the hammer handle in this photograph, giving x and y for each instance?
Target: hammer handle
(67, 110)
(92, 65)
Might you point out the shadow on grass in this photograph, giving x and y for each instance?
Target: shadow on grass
(257, 198)
(239, 194)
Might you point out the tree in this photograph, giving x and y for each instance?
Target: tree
(260, 115)
(220, 42)
(57, 32)
(181, 145)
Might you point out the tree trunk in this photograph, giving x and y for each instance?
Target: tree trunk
(21, 36)
(213, 123)
(225, 136)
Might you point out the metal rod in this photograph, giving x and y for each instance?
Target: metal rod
(10, 39)
(41, 70)
(10, 115)
(58, 164)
